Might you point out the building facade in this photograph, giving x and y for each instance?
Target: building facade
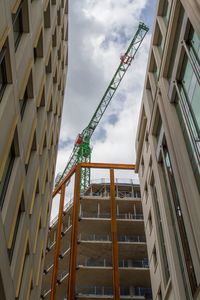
(33, 67)
(168, 151)
(94, 263)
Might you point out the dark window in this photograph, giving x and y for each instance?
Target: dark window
(180, 221)
(47, 16)
(17, 25)
(160, 229)
(20, 211)
(38, 50)
(28, 94)
(3, 73)
(23, 103)
(6, 175)
(48, 67)
(54, 38)
(58, 17)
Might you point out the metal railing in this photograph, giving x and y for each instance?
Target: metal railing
(129, 216)
(66, 207)
(143, 263)
(107, 237)
(95, 263)
(108, 291)
(124, 216)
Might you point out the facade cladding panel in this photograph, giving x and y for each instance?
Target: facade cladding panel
(33, 67)
(168, 151)
(94, 263)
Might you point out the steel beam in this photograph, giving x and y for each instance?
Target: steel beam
(64, 181)
(74, 236)
(108, 166)
(115, 251)
(57, 246)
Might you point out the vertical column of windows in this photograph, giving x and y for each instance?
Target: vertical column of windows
(187, 99)
(174, 197)
(21, 209)
(161, 234)
(4, 182)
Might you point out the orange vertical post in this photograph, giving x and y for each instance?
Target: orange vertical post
(74, 236)
(57, 246)
(115, 252)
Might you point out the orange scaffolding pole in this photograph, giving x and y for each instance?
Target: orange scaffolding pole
(57, 246)
(74, 235)
(115, 252)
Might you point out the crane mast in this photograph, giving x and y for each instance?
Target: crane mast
(82, 149)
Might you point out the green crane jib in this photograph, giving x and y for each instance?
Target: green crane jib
(82, 150)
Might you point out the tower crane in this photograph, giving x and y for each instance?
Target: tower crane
(82, 149)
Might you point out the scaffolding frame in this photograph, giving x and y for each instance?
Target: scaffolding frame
(61, 189)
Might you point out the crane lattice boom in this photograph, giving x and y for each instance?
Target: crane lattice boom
(82, 150)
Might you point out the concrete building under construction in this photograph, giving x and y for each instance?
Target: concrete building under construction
(101, 272)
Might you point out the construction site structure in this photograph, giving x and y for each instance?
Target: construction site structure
(96, 246)
(82, 149)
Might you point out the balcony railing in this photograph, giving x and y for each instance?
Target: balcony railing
(107, 237)
(108, 291)
(95, 263)
(143, 263)
(67, 206)
(124, 216)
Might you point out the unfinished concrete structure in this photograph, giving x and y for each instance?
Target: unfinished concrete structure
(33, 67)
(109, 252)
(168, 151)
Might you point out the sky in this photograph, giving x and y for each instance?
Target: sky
(99, 32)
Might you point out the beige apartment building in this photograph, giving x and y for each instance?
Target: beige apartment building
(33, 67)
(94, 263)
(168, 151)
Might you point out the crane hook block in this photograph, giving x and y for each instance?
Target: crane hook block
(78, 140)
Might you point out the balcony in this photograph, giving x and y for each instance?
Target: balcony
(106, 263)
(120, 216)
(107, 238)
(107, 292)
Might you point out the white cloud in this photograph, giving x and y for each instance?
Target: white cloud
(98, 31)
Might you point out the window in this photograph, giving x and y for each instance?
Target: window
(160, 231)
(157, 125)
(6, 175)
(33, 148)
(166, 11)
(21, 209)
(155, 259)
(58, 17)
(153, 67)
(171, 185)
(38, 50)
(3, 72)
(18, 25)
(48, 67)
(28, 94)
(150, 223)
(47, 17)
(25, 261)
(54, 38)
(187, 100)
(160, 294)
